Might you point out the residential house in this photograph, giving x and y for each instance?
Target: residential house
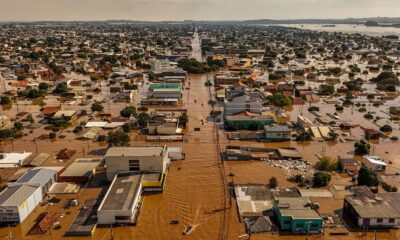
(374, 162)
(297, 215)
(248, 122)
(348, 165)
(277, 133)
(243, 103)
(369, 210)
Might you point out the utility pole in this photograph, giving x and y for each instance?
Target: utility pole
(10, 235)
(36, 147)
(111, 232)
(308, 229)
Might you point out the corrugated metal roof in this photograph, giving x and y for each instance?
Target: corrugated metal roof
(37, 175)
(39, 159)
(16, 195)
(81, 167)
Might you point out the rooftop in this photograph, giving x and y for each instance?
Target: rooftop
(135, 151)
(81, 167)
(16, 195)
(276, 128)
(14, 158)
(121, 194)
(375, 160)
(37, 175)
(253, 199)
(297, 208)
(369, 205)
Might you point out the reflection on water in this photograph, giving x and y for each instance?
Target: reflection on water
(349, 28)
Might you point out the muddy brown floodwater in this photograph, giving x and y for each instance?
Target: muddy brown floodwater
(196, 190)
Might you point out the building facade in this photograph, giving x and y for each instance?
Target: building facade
(136, 159)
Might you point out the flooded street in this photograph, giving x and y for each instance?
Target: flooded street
(196, 50)
(198, 189)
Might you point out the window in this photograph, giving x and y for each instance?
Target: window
(299, 225)
(379, 220)
(286, 222)
(314, 225)
(391, 220)
(122, 218)
(134, 165)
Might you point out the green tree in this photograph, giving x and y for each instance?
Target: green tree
(4, 100)
(326, 164)
(18, 125)
(33, 93)
(78, 129)
(43, 86)
(127, 127)
(29, 118)
(332, 136)
(367, 177)
(128, 111)
(327, 89)
(273, 182)
(280, 100)
(361, 148)
(52, 135)
(386, 128)
(61, 88)
(118, 138)
(321, 179)
(97, 107)
(305, 136)
(143, 119)
(183, 119)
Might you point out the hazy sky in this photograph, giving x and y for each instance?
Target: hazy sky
(28, 10)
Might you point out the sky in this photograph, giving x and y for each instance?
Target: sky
(156, 10)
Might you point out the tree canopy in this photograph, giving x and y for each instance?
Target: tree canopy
(367, 177)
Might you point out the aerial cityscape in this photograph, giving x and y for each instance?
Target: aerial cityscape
(135, 119)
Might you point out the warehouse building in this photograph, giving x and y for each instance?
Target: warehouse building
(17, 202)
(136, 159)
(20, 198)
(38, 177)
(81, 170)
(121, 202)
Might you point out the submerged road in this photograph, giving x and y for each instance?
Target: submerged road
(196, 48)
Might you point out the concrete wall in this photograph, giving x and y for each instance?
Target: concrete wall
(374, 222)
(30, 204)
(21, 212)
(148, 163)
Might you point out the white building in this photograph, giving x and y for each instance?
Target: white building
(20, 198)
(136, 159)
(375, 163)
(13, 159)
(161, 65)
(166, 93)
(38, 177)
(17, 202)
(304, 122)
(121, 202)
